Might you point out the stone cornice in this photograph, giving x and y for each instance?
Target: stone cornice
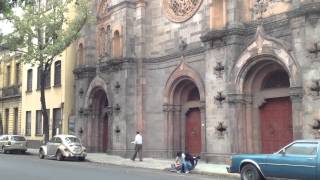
(305, 9)
(114, 64)
(175, 55)
(84, 71)
(269, 23)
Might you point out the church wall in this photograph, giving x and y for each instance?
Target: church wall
(155, 40)
(157, 74)
(164, 34)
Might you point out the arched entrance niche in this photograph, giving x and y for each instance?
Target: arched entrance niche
(265, 97)
(271, 120)
(96, 127)
(184, 112)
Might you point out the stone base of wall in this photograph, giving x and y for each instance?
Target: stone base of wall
(215, 158)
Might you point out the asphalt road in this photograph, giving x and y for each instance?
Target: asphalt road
(28, 167)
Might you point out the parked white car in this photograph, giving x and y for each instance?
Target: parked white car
(9, 143)
(63, 146)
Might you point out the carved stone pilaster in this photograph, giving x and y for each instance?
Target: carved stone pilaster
(234, 99)
(202, 105)
(296, 94)
(171, 108)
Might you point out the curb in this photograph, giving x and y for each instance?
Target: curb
(199, 172)
(167, 170)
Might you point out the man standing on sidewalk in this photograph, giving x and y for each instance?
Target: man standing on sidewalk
(138, 146)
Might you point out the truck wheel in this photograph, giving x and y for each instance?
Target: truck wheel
(60, 156)
(81, 158)
(250, 172)
(41, 154)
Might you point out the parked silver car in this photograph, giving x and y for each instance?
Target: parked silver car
(9, 143)
(63, 146)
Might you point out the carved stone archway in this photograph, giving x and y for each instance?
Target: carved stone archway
(262, 57)
(184, 92)
(96, 125)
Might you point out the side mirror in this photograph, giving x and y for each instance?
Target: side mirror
(283, 152)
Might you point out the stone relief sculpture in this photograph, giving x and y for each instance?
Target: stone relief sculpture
(180, 10)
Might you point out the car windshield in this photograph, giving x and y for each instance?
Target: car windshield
(18, 138)
(72, 140)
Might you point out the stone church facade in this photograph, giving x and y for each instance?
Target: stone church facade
(211, 77)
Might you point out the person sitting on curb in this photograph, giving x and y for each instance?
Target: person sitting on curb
(181, 164)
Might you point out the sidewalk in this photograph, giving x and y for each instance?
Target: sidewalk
(150, 163)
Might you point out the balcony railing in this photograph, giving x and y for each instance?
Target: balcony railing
(11, 91)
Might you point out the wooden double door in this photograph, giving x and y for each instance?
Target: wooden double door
(276, 124)
(193, 131)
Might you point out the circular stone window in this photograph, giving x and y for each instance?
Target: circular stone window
(180, 10)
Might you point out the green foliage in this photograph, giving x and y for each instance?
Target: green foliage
(6, 6)
(45, 30)
(42, 32)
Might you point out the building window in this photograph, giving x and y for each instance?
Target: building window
(8, 75)
(17, 73)
(28, 123)
(6, 126)
(48, 78)
(38, 123)
(1, 124)
(16, 121)
(38, 78)
(57, 73)
(57, 123)
(116, 45)
(81, 54)
(29, 80)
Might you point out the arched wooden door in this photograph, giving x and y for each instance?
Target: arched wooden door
(105, 133)
(276, 124)
(97, 133)
(193, 131)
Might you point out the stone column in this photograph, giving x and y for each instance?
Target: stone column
(296, 94)
(237, 123)
(172, 114)
(140, 53)
(204, 143)
(234, 13)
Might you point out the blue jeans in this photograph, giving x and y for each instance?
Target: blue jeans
(187, 166)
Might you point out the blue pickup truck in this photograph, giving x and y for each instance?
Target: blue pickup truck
(298, 160)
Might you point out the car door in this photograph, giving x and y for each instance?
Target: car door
(1, 141)
(50, 147)
(297, 161)
(58, 142)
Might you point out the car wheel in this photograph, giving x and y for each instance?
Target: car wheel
(60, 156)
(2, 150)
(81, 158)
(250, 172)
(41, 154)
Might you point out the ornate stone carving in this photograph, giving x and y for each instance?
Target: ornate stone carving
(180, 10)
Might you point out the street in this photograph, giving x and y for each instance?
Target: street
(30, 167)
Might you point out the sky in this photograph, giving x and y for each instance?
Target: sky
(6, 27)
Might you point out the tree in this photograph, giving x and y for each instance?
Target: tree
(43, 31)
(6, 6)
